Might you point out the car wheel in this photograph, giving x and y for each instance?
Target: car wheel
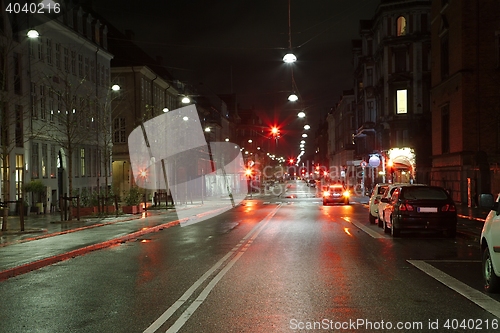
(491, 281)
(395, 232)
(324, 203)
(346, 202)
(372, 218)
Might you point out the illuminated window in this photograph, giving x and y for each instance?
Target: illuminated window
(44, 160)
(19, 175)
(53, 161)
(401, 102)
(401, 29)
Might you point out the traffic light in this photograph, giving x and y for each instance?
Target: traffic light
(248, 172)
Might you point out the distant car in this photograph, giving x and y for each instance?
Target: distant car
(336, 194)
(311, 183)
(420, 207)
(377, 193)
(490, 244)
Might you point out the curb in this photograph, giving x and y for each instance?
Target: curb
(18, 270)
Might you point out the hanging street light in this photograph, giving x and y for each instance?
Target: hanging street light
(33, 34)
(293, 98)
(289, 58)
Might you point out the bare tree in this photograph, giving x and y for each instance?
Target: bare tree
(73, 121)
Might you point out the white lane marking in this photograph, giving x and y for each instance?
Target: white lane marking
(361, 226)
(185, 297)
(204, 294)
(484, 301)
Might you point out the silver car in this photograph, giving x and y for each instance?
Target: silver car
(377, 193)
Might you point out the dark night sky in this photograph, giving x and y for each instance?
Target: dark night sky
(237, 46)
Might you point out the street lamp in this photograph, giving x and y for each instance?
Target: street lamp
(293, 97)
(289, 58)
(33, 34)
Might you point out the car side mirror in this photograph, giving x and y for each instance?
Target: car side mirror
(385, 200)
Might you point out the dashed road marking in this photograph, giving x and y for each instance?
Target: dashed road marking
(219, 269)
(363, 227)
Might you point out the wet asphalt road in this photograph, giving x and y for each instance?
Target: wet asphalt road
(275, 265)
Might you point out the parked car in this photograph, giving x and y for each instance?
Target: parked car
(336, 193)
(377, 193)
(420, 207)
(490, 244)
(382, 204)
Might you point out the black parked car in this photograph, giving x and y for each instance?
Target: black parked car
(420, 208)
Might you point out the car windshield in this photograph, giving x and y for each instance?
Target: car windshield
(416, 193)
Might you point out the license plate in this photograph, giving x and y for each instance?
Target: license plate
(427, 209)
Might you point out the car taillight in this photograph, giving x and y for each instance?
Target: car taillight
(346, 194)
(376, 201)
(448, 208)
(326, 193)
(406, 207)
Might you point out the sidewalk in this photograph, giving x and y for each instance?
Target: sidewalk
(46, 240)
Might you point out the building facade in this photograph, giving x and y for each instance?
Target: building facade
(142, 95)
(465, 99)
(392, 91)
(60, 80)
